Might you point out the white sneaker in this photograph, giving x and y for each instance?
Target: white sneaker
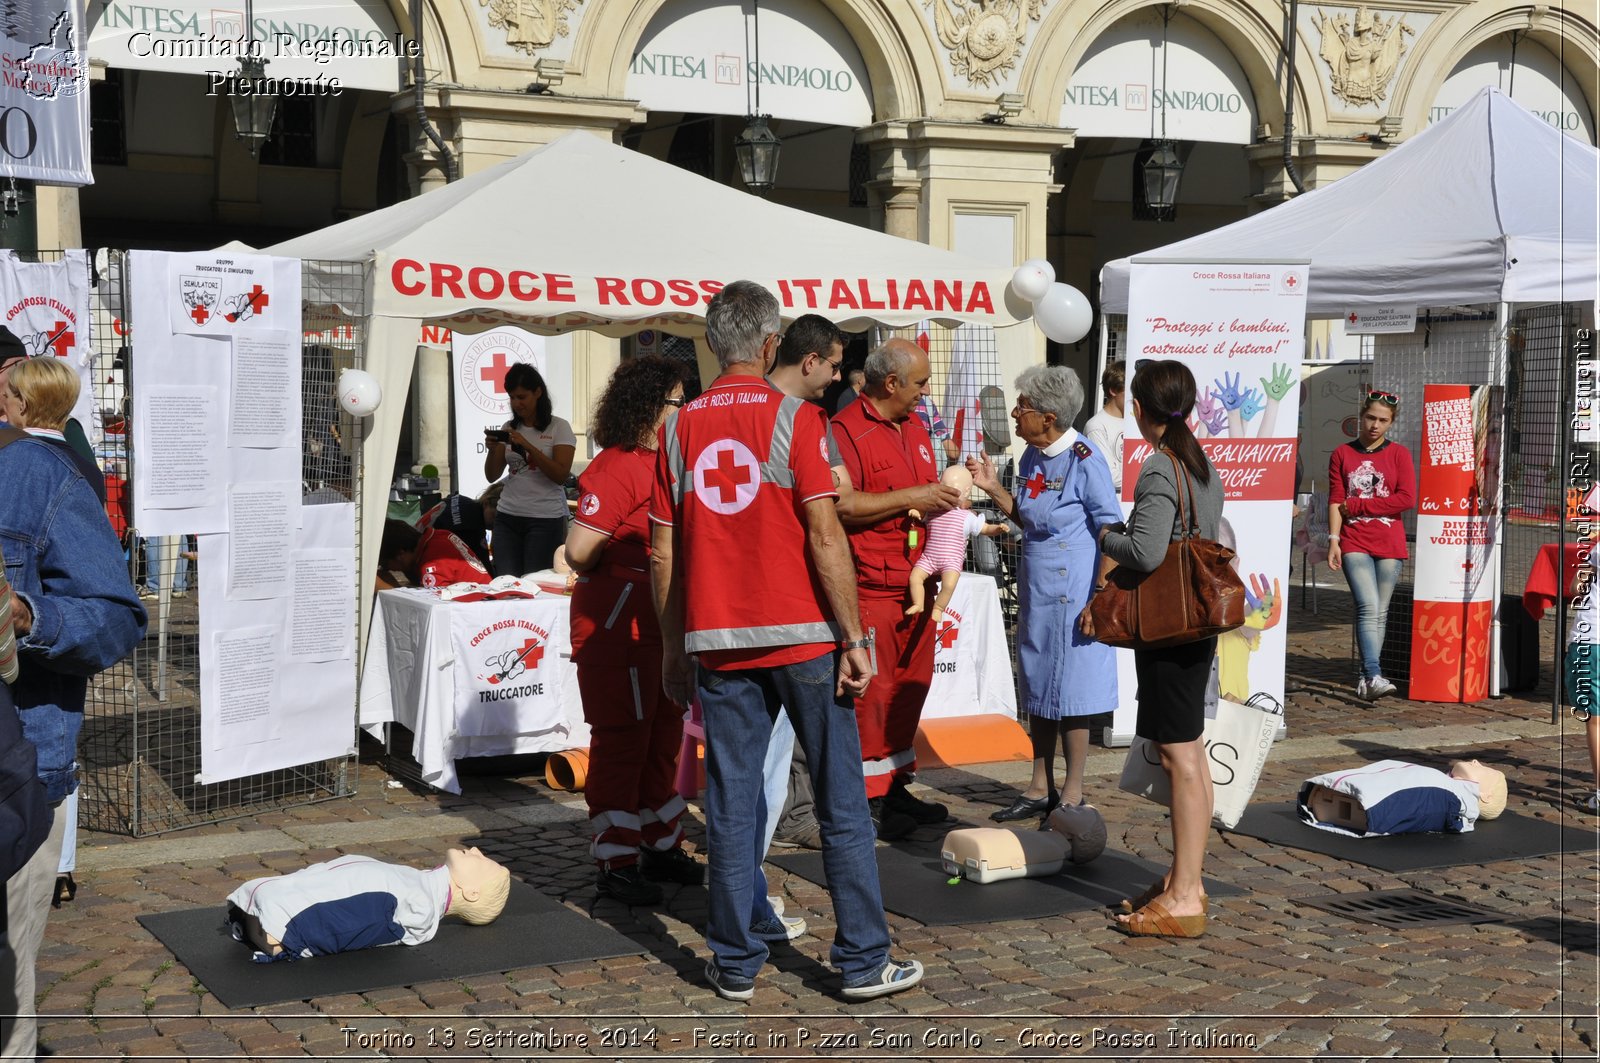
(1378, 687)
(1591, 803)
(894, 976)
(1361, 689)
(776, 903)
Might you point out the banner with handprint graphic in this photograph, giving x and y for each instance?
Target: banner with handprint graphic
(45, 305)
(1240, 329)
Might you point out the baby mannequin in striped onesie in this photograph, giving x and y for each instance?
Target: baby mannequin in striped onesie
(946, 551)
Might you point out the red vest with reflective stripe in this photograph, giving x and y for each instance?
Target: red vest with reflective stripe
(740, 547)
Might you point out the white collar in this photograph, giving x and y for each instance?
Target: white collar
(1069, 437)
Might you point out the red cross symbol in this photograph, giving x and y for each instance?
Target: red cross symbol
(200, 313)
(1292, 281)
(722, 477)
(531, 653)
(1467, 565)
(494, 374)
(947, 635)
(1354, 317)
(62, 340)
(1035, 483)
(258, 298)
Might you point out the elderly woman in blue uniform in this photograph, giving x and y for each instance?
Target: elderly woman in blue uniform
(1063, 498)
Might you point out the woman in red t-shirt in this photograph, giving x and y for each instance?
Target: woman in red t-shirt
(635, 731)
(1371, 482)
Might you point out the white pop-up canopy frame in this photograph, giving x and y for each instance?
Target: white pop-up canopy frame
(1492, 204)
(582, 234)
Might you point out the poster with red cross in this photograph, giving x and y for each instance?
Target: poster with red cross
(217, 293)
(1458, 491)
(509, 668)
(45, 305)
(971, 665)
(478, 366)
(1239, 328)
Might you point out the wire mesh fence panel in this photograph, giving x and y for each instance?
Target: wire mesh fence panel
(140, 754)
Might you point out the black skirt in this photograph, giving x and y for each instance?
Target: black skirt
(1172, 691)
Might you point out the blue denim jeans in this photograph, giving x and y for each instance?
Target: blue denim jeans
(1372, 581)
(739, 708)
(155, 565)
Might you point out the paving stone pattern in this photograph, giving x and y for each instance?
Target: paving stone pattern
(1271, 979)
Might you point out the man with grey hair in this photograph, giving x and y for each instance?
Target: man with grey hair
(890, 460)
(751, 574)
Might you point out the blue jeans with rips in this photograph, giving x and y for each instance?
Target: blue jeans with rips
(1372, 581)
(739, 708)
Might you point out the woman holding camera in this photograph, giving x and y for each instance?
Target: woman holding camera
(1173, 679)
(537, 447)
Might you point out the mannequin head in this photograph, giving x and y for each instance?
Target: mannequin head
(1084, 829)
(478, 886)
(958, 477)
(1491, 786)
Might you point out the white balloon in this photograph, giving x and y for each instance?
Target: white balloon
(1063, 314)
(1032, 279)
(359, 392)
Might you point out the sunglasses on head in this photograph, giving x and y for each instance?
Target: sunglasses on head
(1388, 398)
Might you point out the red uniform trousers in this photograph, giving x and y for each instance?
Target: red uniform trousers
(888, 713)
(635, 730)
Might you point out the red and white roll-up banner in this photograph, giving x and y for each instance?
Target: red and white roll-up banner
(1457, 493)
(478, 368)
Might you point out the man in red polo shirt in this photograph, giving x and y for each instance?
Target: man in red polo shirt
(890, 458)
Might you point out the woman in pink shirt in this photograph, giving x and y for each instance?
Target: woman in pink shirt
(1371, 482)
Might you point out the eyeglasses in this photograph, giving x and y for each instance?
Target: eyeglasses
(833, 366)
(1019, 409)
(1389, 398)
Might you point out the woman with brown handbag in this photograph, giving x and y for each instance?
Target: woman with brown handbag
(1173, 679)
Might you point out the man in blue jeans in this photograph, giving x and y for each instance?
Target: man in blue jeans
(75, 614)
(752, 575)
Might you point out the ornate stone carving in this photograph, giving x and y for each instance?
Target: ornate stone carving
(984, 36)
(1362, 58)
(530, 24)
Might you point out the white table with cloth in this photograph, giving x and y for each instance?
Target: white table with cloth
(972, 673)
(472, 679)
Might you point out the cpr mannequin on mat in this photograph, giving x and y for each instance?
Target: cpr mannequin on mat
(356, 902)
(1393, 797)
(1076, 833)
(946, 552)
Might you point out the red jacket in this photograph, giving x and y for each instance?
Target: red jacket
(883, 456)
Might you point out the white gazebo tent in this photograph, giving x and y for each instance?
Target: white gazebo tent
(582, 234)
(1490, 205)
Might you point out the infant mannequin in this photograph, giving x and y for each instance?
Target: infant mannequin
(946, 551)
(1392, 797)
(356, 902)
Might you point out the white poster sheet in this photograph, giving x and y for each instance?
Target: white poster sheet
(224, 293)
(1240, 328)
(262, 518)
(45, 305)
(311, 717)
(168, 425)
(322, 605)
(265, 398)
(478, 365)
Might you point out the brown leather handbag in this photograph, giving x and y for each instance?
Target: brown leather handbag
(1194, 593)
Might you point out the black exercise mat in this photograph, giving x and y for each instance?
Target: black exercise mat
(533, 931)
(1510, 837)
(916, 885)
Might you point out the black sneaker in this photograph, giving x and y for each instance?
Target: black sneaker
(806, 837)
(901, 800)
(674, 865)
(890, 824)
(625, 884)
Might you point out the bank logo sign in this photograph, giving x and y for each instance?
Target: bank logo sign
(702, 59)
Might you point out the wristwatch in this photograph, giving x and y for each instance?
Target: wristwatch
(865, 642)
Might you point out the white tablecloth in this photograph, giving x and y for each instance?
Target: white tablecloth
(971, 662)
(472, 679)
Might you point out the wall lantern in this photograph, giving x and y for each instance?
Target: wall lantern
(757, 150)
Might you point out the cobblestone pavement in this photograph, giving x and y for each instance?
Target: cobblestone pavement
(1271, 978)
